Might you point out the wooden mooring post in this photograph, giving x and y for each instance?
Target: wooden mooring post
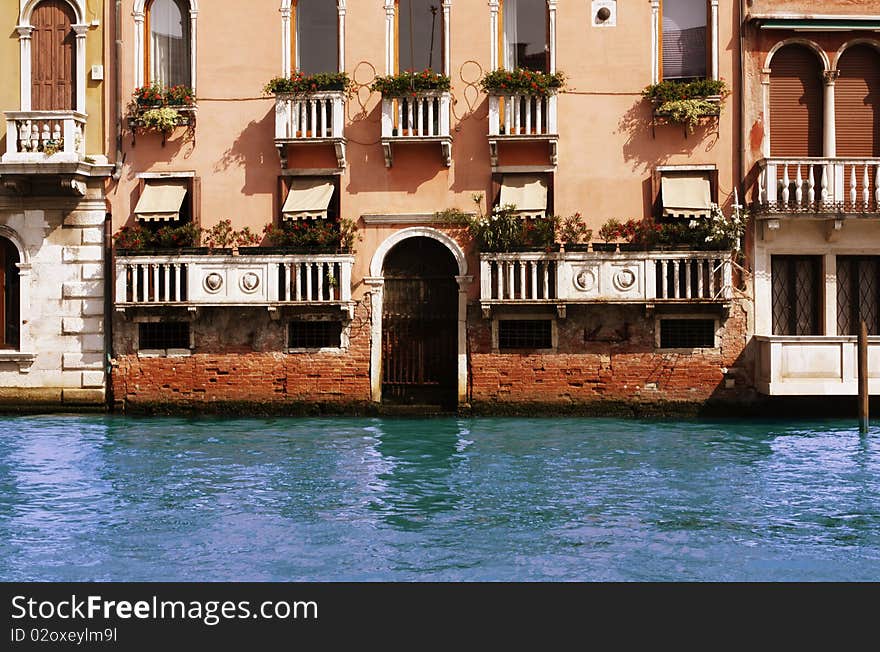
(863, 377)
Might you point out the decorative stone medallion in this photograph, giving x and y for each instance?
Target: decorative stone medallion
(249, 282)
(585, 280)
(624, 280)
(213, 282)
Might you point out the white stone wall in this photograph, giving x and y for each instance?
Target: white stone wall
(62, 352)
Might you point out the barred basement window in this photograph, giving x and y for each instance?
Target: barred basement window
(314, 334)
(687, 333)
(525, 334)
(163, 335)
(795, 284)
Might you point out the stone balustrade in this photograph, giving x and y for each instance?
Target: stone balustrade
(45, 137)
(818, 185)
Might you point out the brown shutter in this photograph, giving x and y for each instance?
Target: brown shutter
(53, 60)
(795, 103)
(857, 103)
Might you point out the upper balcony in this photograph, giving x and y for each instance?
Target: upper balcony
(421, 117)
(522, 118)
(826, 187)
(310, 119)
(269, 280)
(644, 277)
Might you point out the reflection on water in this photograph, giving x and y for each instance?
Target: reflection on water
(107, 498)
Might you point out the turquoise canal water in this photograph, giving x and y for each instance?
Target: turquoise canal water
(111, 498)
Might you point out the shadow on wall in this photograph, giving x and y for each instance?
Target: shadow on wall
(252, 151)
(471, 148)
(648, 145)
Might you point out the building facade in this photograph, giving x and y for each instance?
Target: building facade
(52, 204)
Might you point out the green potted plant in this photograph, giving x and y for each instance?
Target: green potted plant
(687, 103)
(522, 82)
(504, 230)
(308, 237)
(609, 231)
(301, 84)
(574, 234)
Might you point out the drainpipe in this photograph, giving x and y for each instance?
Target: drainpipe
(109, 296)
(117, 60)
(744, 127)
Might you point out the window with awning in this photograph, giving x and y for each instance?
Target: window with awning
(527, 192)
(686, 195)
(162, 201)
(308, 199)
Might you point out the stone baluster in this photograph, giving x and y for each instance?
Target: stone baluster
(798, 187)
(811, 187)
(539, 129)
(852, 185)
(786, 182)
(866, 188)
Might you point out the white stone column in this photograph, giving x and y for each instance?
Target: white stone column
(829, 129)
(829, 301)
(138, 47)
(193, 14)
(763, 291)
(551, 9)
(389, 37)
(493, 29)
(341, 12)
(24, 45)
(80, 31)
(464, 283)
(765, 102)
(715, 36)
(655, 41)
(286, 67)
(447, 5)
(377, 290)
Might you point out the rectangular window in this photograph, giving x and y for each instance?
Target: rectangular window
(687, 333)
(309, 334)
(525, 30)
(316, 36)
(858, 294)
(163, 335)
(525, 334)
(166, 201)
(419, 35)
(796, 282)
(683, 40)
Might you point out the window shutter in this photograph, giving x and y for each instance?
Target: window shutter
(795, 103)
(857, 103)
(196, 201)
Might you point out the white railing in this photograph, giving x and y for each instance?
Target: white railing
(522, 115)
(814, 365)
(809, 185)
(309, 117)
(45, 136)
(423, 115)
(645, 276)
(233, 280)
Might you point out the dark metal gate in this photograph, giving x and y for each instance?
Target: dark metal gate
(419, 325)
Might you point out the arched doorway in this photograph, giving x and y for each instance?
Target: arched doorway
(53, 57)
(795, 103)
(420, 324)
(9, 291)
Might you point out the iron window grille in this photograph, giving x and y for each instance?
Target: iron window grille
(163, 335)
(687, 333)
(314, 334)
(525, 334)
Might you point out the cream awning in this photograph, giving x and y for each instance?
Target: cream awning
(308, 199)
(161, 201)
(528, 193)
(686, 195)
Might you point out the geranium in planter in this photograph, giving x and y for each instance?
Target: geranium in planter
(149, 96)
(312, 236)
(137, 239)
(522, 82)
(504, 229)
(410, 83)
(300, 84)
(687, 102)
(574, 234)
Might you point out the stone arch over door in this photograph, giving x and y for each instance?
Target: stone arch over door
(376, 282)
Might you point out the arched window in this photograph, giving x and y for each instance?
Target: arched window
(169, 43)
(525, 35)
(795, 103)
(419, 35)
(9, 291)
(315, 33)
(857, 100)
(53, 51)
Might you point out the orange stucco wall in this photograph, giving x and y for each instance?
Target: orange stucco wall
(607, 148)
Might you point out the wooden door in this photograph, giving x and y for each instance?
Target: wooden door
(53, 57)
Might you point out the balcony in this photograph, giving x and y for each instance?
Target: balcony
(522, 118)
(194, 281)
(814, 366)
(646, 277)
(421, 118)
(827, 187)
(312, 119)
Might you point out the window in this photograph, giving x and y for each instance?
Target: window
(795, 287)
(687, 333)
(9, 295)
(525, 31)
(163, 336)
(686, 191)
(314, 334)
(313, 198)
(168, 46)
(858, 294)
(315, 39)
(419, 35)
(166, 199)
(528, 192)
(683, 39)
(525, 334)
(796, 104)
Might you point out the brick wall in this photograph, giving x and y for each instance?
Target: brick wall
(608, 354)
(239, 359)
